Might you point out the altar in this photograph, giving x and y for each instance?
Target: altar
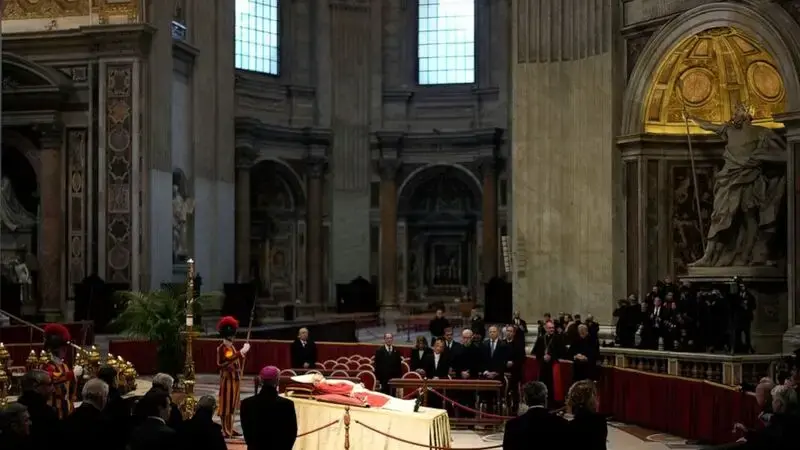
(369, 428)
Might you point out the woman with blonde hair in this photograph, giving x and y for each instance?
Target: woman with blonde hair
(587, 426)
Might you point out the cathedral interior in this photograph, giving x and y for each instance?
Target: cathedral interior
(426, 146)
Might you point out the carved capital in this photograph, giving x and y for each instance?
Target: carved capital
(245, 156)
(388, 168)
(51, 136)
(316, 166)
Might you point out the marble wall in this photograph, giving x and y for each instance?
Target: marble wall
(566, 194)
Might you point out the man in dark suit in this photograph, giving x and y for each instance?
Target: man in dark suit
(437, 367)
(117, 409)
(15, 427)
(548, 349)
(477, 324)
(517, 351)
(657, 324)
(438, 325)
(153, 433)
(451, 347)
(303, 351)
(87, 427)
(387, 363)
(496, 361)
(520, 325)
(536, 425)
(201, 432)
(268, 420)
(45, 427)
(466, 364)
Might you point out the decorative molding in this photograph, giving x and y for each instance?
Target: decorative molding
(350, 5)
(78, 74)
(246, 156)
(51, 135)
(77, 205)
(388, 168)
(253, 132)
(488, 139)
(316, 166)
(633, 48)
(111, 41)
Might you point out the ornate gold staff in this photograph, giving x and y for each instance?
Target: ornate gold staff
(189, 403)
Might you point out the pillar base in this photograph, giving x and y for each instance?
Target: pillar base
(51, 315)
(791, 339)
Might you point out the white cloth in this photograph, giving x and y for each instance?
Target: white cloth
(436, 358)
(394, 404)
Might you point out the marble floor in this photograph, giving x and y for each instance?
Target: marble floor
(620, 436)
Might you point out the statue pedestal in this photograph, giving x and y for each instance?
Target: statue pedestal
(791, 339)
(179, 273)
(768, 286)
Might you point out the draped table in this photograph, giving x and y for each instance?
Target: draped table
(428, 427)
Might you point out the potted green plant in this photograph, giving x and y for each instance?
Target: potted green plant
(160, 317)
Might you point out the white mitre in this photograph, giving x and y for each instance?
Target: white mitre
(305, 379)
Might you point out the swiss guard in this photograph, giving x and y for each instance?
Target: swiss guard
(64, 379)
(230, 364)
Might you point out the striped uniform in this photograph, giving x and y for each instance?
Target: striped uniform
(229, 362)
(63, 380)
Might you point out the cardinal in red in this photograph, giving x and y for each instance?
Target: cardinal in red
(229, 362)
(56, 340)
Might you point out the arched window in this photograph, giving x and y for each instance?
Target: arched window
(446, 41)
(257, 36)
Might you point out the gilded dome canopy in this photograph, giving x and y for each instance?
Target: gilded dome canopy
(709, 74)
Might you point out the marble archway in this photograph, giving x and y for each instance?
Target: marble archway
(277, 213)
(439, 234)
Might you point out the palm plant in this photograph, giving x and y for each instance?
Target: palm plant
(160, 317)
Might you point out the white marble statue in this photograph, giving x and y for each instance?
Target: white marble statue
(182, 209)
(16, 270)
(12, 214)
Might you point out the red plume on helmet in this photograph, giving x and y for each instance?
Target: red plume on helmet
(57, 330)
(227, 326)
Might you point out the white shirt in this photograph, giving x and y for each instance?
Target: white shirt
(436, 357)
(304, 343)
(421, 353)
(493, 345)
(389, 349)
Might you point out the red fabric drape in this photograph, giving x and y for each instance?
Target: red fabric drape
(82, 333)
(692, 409)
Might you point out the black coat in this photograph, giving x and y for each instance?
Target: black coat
(45, 426)
(387, 366)
(437, 326)
(303, 355)
(268, 421)
(201, 433)
(436, 371)
(87, 428)
(153, 434)
(497, 362)
(416, 359)
(588, 431)
(582, 370)
(467, 358)
(118, 412)
(535, 426)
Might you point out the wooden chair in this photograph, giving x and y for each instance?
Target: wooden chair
(365, 360)
(340, 367)
(369, 380)
(328, 365)
(339, 374)
(319, 365)
(288, 373)
(313, 371)
(366, 367)
(352, 365)
(411, 375)
(342, 359)
(405, 367)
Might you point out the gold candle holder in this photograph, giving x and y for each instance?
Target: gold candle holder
(189, 403)
(32, 361)
(4, 357)
(93, 358)
(3, 387)
(44, 358)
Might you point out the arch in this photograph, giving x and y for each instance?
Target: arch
(22, 144)
(775, 29)
(28, 74)
(419, 176)
(294, 179)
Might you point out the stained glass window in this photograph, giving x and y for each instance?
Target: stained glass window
(446, 41)
(258, 36)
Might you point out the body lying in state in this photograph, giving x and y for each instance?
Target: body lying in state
(353, 394)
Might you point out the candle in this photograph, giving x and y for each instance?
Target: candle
(189, 321)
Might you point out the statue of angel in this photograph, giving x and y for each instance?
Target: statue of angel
(182, 209)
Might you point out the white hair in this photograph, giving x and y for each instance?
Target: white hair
(95, 391)
(466, 332)
(785, 395)
(164, 381)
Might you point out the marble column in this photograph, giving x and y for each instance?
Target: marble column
(51, 187)
(388, 242)
(245, 156)
(791, 339)
(489, 216)
(314, 256)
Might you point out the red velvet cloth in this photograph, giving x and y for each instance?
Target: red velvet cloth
(687, 408)
(82, 333)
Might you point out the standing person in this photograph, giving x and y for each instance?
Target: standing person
(56, 339)
(548, 349)
(387, 363)
(437, 325)
(303, 351)
(496, 362)
(536, 425)
(466, 365)
(200, 432)
(229, 362)
(477, 325)
(45, 428)
(583, 353)
(87, 427)
(279, 431)
(15, 428)
(153, 433)
(517, 351)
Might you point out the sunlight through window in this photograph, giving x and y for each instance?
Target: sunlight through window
(257, 36)
(446, 41)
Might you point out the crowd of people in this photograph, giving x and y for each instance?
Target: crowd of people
(676, 317)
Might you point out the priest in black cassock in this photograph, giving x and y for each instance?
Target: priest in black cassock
(583, 353)
(548, 349)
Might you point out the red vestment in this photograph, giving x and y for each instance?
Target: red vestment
(345, 391)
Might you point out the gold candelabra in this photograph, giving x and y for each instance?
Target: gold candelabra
(189, 403)
(32, 361)
(4, 377)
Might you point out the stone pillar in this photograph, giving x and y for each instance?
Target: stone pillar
(314, 256)
(51, 187)
(245, 156)
(388, 242)
(791, 339)
(489, 215)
